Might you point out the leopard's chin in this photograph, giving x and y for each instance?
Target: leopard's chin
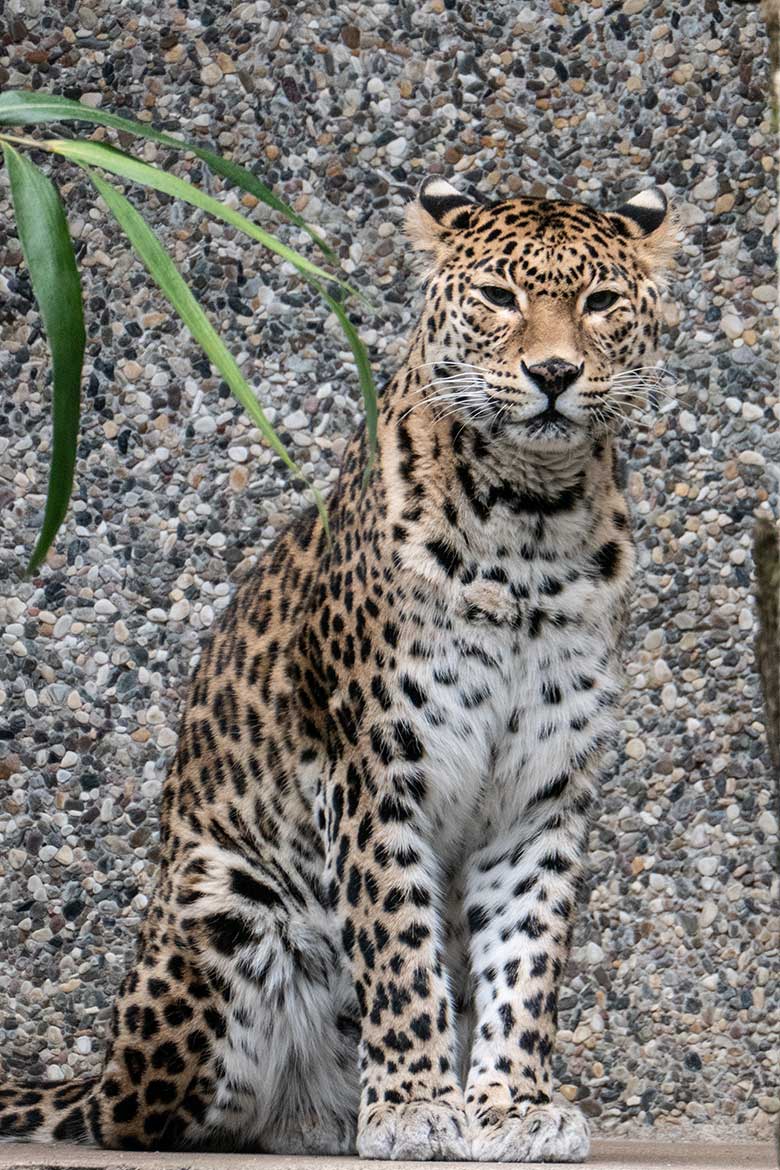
(550, 430)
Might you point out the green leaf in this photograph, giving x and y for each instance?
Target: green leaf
(367, 387)
(167, 277)
(47, 247)
(119, 163)
(22, 107)
(109, 158)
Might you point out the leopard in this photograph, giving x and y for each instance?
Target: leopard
(373, 834)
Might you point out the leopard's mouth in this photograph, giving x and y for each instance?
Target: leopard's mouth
(550, 420)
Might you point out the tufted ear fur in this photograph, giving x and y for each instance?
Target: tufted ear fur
(652, 225)
(438, 211)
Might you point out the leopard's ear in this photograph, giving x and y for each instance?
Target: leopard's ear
(653, 225)
(438, 212)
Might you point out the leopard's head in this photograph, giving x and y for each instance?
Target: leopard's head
(541, 316)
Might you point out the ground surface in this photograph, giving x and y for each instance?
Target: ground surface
(670, 1007)
(607, 1155)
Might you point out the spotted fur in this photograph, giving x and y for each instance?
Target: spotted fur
(373, 830)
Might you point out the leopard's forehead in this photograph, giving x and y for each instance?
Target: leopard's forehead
(549, 221)
(547, 241)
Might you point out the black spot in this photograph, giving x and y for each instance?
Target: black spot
(30, 1097)
(228, 933)
(160, 1092)
(534, 1005)
(71, 1128)
(166, 1056)
(393, 900)
(398, 1041)
(539, 965)
(531, 926)
(366, 948)
(365, 829)
(607, 559)
(391, 634)
(18, 1125)
(176, 966)
(477, 918)
(392, 809)
(414, 936)
(155, 1123)
(527, 1041)
(551, 791)
(248, 887)
(150, 1026)
(177, 1012)
(353, 886)
(555, 863)
(448, 557)
(127, 1108)
(421, 1026)
(412, 691)
(135, 1062)
(408, 742)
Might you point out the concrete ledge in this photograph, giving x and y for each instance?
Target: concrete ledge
(615, 1154)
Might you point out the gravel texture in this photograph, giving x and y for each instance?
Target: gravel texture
(670, 1013)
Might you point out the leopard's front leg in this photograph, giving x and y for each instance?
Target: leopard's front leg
(520, 902)
(385, 879)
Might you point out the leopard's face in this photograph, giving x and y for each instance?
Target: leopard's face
(541, 317)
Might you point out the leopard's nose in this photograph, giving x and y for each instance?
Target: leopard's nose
(553, 376)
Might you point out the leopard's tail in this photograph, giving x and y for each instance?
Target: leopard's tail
(42, 1111)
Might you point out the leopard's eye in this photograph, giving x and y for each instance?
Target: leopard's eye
(600, 301)
(503, 297)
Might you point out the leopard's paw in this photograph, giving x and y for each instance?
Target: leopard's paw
(536, 1133)
(419, 1131)
(318, 1137)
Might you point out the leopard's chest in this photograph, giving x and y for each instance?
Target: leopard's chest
(510, 681)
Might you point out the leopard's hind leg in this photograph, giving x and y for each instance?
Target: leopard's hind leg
(235, 1029)
(283, 1023)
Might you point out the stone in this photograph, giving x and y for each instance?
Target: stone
(211, 74)
(767, 822)
(593, 953)
(297, 420)
(708, 914)
(636, 749)
(732, 325)
(62, 626)
(705, 190)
